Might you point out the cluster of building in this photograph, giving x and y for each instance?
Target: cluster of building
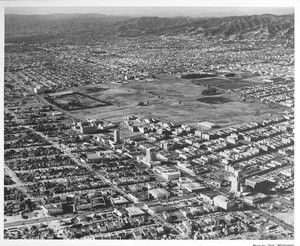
(277, 90)
(225, 226)
(167, 180)
(122, 60)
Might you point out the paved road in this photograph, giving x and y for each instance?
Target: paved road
(164, 223)
(259, 211)
(25, 222)
(44, 219)
(275, 220)
(30, 157)
(17, 181)
(41, 99)
(115, 187)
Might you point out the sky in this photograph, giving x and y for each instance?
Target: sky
(160, 11)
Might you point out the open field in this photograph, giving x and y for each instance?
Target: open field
(226, 83)
(173, 99)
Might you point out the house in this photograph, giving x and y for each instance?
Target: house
(137, 234)
(153, 232)
(146, 232)
(159, 193)
(93, 158)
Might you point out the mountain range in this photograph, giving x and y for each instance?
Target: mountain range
(78, 27)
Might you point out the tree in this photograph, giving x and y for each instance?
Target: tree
(209, 91)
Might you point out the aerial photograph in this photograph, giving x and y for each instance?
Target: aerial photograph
(148, 123)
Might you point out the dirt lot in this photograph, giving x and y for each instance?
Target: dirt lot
(173, 99)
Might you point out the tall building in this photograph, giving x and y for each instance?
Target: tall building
(150, 154)
(117, 136)
(237, 182)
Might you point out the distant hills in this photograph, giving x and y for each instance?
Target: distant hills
(80, 27)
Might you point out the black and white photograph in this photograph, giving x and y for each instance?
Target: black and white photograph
(126, 121)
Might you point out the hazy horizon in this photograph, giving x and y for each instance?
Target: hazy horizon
(170, 11)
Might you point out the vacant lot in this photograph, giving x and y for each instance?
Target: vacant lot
(173, 99)
(287, 217)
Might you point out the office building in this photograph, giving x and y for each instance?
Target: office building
(150, 155)
(117, 136)
(237, 182)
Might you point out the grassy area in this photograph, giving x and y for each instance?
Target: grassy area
(214, 100)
